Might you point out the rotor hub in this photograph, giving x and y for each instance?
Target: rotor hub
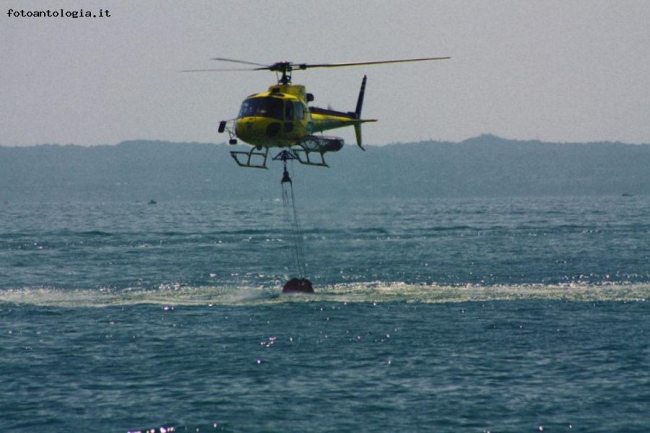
(285, 69)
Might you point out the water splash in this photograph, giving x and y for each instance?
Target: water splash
(379, 292)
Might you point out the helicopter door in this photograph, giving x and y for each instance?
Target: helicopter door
(288, 116)
(299, 110)
(301, 122)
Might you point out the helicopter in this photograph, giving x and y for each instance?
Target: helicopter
(281, 117)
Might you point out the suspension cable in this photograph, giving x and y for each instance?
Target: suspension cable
(293, 222)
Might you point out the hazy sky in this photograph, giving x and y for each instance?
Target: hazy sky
(566, 71)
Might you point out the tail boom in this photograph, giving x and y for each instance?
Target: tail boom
(326, 119)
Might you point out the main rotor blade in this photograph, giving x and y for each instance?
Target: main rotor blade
(230, 69)
(220, 70)
(221, 59)
(378, 62)
(286, 67)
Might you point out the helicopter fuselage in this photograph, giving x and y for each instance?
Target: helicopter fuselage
(277, 118)
(281, 117)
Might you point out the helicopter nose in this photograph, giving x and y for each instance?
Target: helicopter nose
(273, 129)
(255, 129)
(246, 128)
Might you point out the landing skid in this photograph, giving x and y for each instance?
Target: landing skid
(250, 157)
(309, 151)
(317, 145)
(303, 157)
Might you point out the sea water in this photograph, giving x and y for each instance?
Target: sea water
(472, 315)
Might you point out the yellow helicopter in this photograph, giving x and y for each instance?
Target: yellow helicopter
(282, 118)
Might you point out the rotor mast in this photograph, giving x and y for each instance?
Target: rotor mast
(285, 68)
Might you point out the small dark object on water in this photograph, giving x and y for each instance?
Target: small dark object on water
(298, 285)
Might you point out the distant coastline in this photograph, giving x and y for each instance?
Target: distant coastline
(483, 166)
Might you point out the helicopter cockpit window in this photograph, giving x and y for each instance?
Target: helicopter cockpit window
(288, 111)
(300, 110)
(262, 107)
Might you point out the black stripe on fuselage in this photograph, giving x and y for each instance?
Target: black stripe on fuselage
(326, 112)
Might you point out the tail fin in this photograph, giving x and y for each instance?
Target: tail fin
(357, 112)
(362, 92)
